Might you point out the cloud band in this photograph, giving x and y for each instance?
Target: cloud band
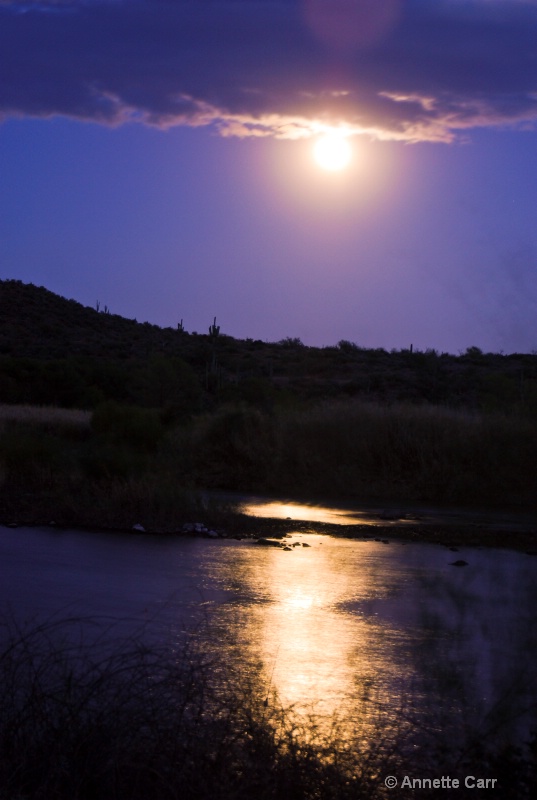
(409, 70)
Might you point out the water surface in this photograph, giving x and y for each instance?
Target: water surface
(347, 514)
(339, 626)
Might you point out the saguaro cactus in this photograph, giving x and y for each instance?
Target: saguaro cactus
(214, 329)
(213, 376)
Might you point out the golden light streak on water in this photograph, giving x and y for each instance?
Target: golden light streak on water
(315, 655)
(303, 511)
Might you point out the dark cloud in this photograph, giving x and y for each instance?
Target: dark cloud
(397, 69)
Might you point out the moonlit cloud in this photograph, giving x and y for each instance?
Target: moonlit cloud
(408, 70)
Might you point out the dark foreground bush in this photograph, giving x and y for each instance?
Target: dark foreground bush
(140, 428)
(86, 721)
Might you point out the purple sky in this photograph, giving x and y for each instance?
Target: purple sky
(156, 155)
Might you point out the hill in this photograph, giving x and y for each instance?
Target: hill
(57, 351)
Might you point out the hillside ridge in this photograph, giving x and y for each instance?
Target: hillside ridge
(43, 327)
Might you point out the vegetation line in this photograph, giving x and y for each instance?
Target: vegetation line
(108, 422)
(128, 467)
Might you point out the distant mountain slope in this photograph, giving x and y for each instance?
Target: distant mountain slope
(39, 325)
(36, 323)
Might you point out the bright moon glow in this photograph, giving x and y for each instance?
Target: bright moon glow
(332, 152)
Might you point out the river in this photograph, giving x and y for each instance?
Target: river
(332, 625)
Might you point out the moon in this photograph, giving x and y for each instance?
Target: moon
(332, 152)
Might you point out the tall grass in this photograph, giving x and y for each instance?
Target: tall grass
(124, 466)
(365, 450)
(99, 470)
(45, 416)
(150, 499)
(84, 719)
(411, 452)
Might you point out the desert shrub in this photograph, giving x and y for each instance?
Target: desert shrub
(31, 455)
(139, 428)
(86, 715)
(348, 347)
(136, 497)
(169, 384)
(105, 459)
(253, 391)
(407, 452)
(232, 447)
(291, 342)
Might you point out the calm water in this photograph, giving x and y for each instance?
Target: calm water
(372, 515)
(331, 626)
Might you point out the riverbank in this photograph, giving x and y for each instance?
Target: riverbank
(113, 472)
(471, 535)
(242, 526)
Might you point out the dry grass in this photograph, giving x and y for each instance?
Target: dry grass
(85, 714)
(367, 451)
(57, 464)
(45, 416)
(408, 451)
